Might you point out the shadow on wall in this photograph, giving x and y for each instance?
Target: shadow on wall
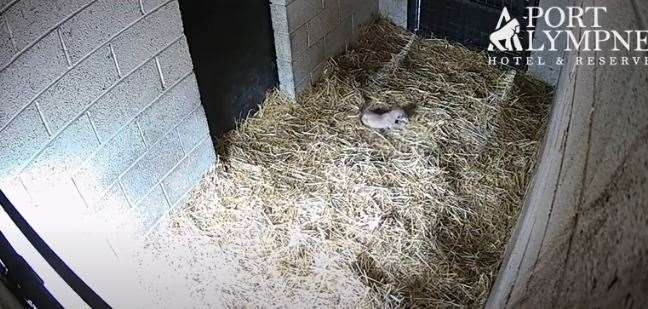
(232, 48)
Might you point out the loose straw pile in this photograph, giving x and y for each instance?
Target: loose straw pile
(306, 207)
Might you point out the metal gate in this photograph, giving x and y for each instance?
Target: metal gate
(469, 22)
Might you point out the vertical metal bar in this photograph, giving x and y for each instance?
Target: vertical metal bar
(67, 274)
(29, 286)
(413, 15)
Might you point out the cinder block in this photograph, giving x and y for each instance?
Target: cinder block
(317, 28)
(32, 71)
(125, 100)
(282, 46)
(364, 12)
(331, 13)
(289, 91)
(286, 82)
(304, 84)
(175, 62)
(148, 37)
(7, 51)
(394, 10)
(189, 172)
(30, 19)
(16, 192)
(63, 155)
(22, 139)
(337, 40)
(176, 104)
(114, 198)
(285, 73)
(347, 8)
(96, 24)
(279, 16)
(193, 129)
(307, 61)
(300, 70)
(77, 89)
(356, 30)
(151, 4)
(299, 41)
(317, 72)
(301, 11)
(56, 192)
(98, 173)
(151, 167)
(126, 226)
(152, 208)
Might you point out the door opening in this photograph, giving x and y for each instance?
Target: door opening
(232, 48)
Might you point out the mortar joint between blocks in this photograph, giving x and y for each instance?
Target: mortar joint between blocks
(123, 192)
(159, 69)
(65, 49)
(94, 128)
(114, 56)
(141, 132)
(11, 36)
(166, 195)
(24, 186)
(32, 158)
(130, 203)
(30, 45)
(141, 7)
(42, 118)
(184, 152)
(79, 193)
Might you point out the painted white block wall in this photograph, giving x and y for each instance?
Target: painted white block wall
(394, 10)
(308, 32)
(100, 117)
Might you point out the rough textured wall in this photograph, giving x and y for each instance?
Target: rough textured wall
(98, 105)
(394, 10)
(581, 240)
(307, 32)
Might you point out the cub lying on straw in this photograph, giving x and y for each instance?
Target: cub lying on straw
(385, 118)
(394, 118)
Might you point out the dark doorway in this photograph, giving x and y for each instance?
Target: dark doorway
(232, 48)
(469, 22)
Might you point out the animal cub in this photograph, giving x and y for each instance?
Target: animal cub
(393, 118)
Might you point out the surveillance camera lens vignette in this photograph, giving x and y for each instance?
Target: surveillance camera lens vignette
(323, 154)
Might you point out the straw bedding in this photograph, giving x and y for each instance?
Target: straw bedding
(306, 207)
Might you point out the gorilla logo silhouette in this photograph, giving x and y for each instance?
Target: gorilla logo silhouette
(507, 30)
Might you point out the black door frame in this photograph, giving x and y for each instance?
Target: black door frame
(28, 286)
(232, 48)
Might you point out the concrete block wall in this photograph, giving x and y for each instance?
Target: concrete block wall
(581, 239)
(99, 106)
(308, 32)
(394, 10)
